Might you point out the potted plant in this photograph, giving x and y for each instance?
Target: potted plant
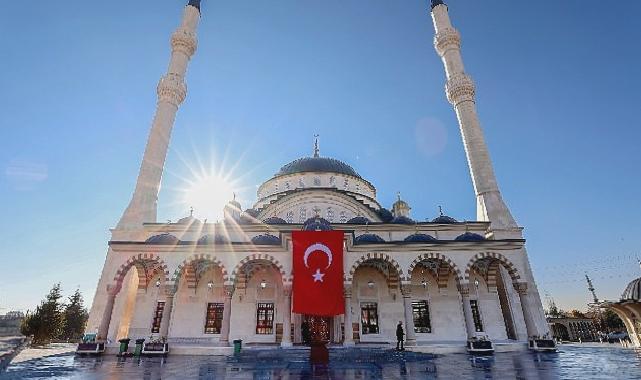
(155, 346)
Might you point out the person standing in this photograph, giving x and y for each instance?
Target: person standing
(399, 336)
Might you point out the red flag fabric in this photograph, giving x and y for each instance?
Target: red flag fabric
(318, 273)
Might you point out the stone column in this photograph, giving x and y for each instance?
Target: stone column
(349, 335)
(226, 327)
(171, 93)
(287, 317)
(530, 326)
(103, 330)
(410, 335)
(461, 93)
(170, 292)
(464, 289)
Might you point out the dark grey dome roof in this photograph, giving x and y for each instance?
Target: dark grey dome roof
(317, 164)
(419, 238)
(274, 220)
(444, 219)
(359, 220)
(469, 236)
(213, 239)
(369, 239)
(402, 220)
(385, 214)
(632, 291)
(266, 239)
(167, 239)
(317, 224)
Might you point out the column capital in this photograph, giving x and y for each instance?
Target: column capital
(172, 89)
(446, 39)
(287, 290)
(521, 288)
(406, 289)
(464, 289)
(460, 88)
(169, 290)
(228, 291)
(347, 289)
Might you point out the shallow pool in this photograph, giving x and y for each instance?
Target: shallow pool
(571, 362)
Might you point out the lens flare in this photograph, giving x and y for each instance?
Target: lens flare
(208, 194)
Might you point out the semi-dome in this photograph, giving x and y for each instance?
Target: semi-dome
(469, 236)
(419, 238)
(266, 239)
(274, 220)
(359, 220)
(317, 224)
(317, 164)
(369, 239)
(164, 239)
(632, 291)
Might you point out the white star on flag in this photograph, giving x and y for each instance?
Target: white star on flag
(318, 276)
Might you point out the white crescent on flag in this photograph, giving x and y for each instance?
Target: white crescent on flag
(318, 247)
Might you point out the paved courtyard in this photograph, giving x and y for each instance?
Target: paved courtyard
(571, 362)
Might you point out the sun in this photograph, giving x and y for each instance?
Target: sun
(208, 195)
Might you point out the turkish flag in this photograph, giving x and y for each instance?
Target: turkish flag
(318, 273)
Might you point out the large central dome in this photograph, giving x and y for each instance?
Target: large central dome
(317, 164)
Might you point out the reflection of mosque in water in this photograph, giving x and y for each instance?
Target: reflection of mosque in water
(200, 284)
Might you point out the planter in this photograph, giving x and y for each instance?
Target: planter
(90, 348)
(155, 348)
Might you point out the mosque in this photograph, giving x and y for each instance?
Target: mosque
(199, 285)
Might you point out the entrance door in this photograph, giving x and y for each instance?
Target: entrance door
(319, 328)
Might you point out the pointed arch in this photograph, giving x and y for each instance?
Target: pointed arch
(493, 269)
(375, 256)
(187, 272)
(445, 266)
(237, 272)
(147, 266)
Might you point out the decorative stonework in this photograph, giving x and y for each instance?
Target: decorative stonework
(171, 89)
(460, 88)
(406, 289)
(464, 289)
(375, 256)
(184, 41)
(442, 280)
(186, 271)
(521, 288)
(260, 257)
(147, 265)
(493, 257)
(447, 39)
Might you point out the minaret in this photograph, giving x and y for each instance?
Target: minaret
(591, 289)
(461, 94)
(171, 92)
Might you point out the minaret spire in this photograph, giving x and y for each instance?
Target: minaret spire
(171, 92)
(591, 289)
(316, 148)
(460, 92)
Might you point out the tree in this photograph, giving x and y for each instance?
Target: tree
(75, 318)
(576, 314)
(611, 321)
(46, 322)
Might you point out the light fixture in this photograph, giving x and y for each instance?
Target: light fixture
(263, 284)
(158, 283)
(210, 284)
(476, 282)
(370, 284)
(424, 283)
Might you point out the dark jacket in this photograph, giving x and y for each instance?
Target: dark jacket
(399, 332)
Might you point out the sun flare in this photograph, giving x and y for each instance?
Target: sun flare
(208, 195)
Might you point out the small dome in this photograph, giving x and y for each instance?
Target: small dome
(213, 239)
(317, 164)
(165, 239)
(385, 214)
(368, 239)
(632, 291)
(188, 220)
(251, 212)
(402, 220)
(266, 239)
(316, 224)
(469, 236)
(444, 219)
(419, 238)
(274, 220)
(359, 220)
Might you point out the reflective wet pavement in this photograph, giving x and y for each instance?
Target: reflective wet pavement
(570, 363)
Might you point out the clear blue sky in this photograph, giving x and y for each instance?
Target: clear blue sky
(558, 96)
